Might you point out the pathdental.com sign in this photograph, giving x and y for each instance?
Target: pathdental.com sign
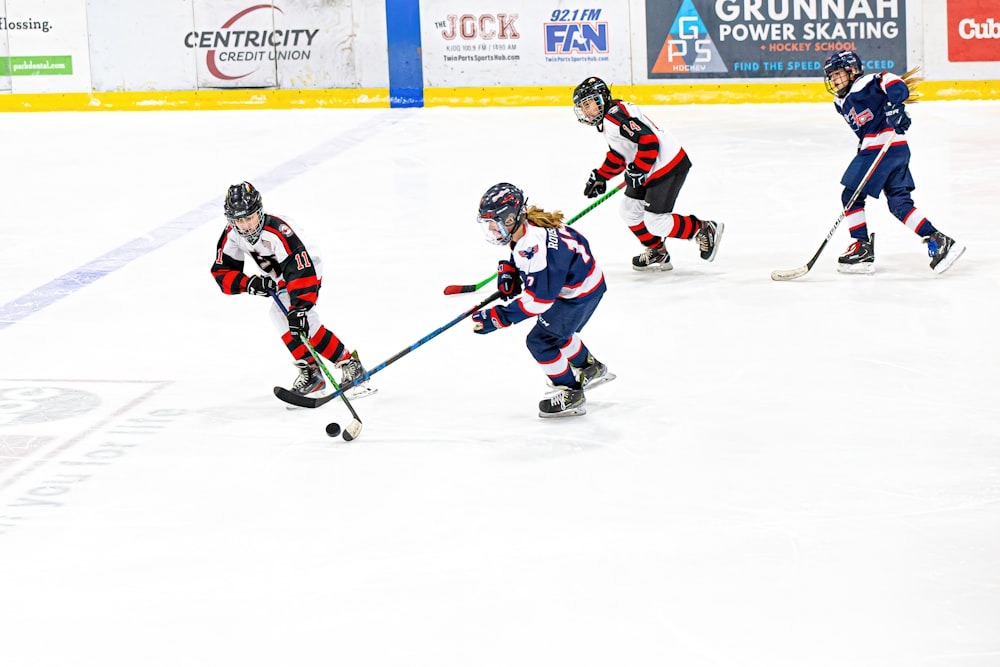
(770, 38)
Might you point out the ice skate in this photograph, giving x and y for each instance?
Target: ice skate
(594, 374)
(859, 257)
(943, 251)
(653, 259)
(350, 370)
(567, 402)
(708, 239)
(310, 380)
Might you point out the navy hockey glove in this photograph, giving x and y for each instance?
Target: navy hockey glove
(634, 176)
(596, 185)
(895, 115)
(489, 320)
(508, 279)
(298, 322)
(261, 286)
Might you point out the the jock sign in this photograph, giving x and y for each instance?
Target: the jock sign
(770, 38)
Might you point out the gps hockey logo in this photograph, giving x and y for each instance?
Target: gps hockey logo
(529, 252)
(688, 48)
(564, 34)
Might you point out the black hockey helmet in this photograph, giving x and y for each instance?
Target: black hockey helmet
(242, 201)
(501, 210)
(847, 61)
(594, 89)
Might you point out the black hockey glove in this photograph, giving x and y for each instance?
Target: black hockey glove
(634, 176)
(895, 115)
(261, 286)
(596, 185)
(508, 279)
(298, 322)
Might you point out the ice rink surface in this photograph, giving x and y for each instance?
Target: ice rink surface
(783, 474)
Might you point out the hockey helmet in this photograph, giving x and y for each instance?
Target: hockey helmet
(847, 61)
(243, 201)
(501, 211)
(594, 89)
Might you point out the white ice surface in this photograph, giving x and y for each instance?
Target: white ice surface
(800, 474)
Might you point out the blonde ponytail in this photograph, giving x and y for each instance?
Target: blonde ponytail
(542, 218)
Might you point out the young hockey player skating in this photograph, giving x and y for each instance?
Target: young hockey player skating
(556, 280)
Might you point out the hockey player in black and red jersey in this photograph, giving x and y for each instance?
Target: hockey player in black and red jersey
(655, 167)
(294, 273)
(562, 285)
(873, 106)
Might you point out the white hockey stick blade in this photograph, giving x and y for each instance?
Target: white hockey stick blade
(790, 274)
(353, 430)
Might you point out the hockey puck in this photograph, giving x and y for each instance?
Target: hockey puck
(333, 429)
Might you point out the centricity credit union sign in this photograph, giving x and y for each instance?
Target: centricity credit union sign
(250, 45)
(693, 39)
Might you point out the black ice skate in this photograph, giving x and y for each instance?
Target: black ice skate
(859, 258)
(708, 238)
(594, 374)
(567, 402)
(653, 259)
(310, 380)
(943, 251)
(350, 370)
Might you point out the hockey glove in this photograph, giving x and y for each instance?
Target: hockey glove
(261, 286)
(489, 320)
(508, 279)
(895, 115)
(298, 322)
(634, 176)
(596, 185)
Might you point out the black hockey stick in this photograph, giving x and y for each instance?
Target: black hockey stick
(463, 289)
(402, 353)
(792, 274)
(353, 429)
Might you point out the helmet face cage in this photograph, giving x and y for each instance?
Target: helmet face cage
(501, 210)
(242, 201)
(591, 89)
(847, 61)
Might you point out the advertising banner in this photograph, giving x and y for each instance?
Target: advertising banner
(747, 39)
(46, 46)
(287, 43)
(973, 30)
(519, 43)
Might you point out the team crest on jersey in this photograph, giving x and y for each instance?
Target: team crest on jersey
(529, 253)
(285, 229)
(859, 119)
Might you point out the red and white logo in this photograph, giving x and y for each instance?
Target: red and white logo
(973, 31)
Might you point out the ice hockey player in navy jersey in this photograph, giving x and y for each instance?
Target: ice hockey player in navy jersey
(655, 167)
(873, 105)
(292, 271)
(551, 276)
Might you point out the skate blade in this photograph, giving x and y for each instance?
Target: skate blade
(662, 266)
(360, 392)
(573, 412)
(866, 268)
(953, 255)
(608, 377)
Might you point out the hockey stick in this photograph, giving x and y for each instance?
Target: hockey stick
(792, 274)
(353, 429)
(402, 353)
(463, 289)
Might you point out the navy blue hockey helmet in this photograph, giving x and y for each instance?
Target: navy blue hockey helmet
(594, 89)
(847, 61)
(242, 201)
(501, 210)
